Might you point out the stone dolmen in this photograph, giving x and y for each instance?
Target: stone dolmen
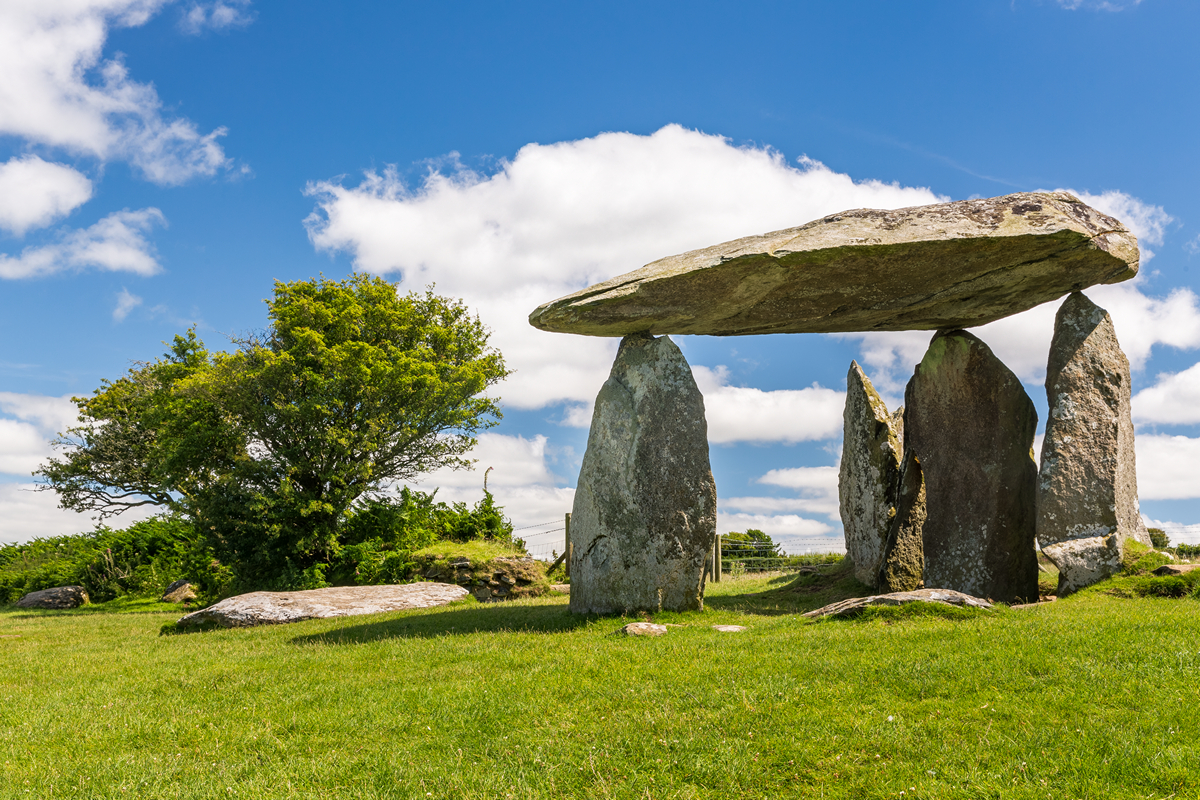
(944, 494)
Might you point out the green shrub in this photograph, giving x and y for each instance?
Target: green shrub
(1159, 538)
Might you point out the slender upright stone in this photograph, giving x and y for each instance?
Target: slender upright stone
(644, 518)
(903, 564)
(869, 479)
(1087, 502)
(970, 424)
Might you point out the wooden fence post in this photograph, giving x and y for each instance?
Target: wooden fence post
(717, 558)
(567, 547)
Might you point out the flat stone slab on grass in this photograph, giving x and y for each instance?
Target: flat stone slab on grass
(950, 265)
(273, 608)
(855, 605)
(1176, 569)
(644, 629)
(60, 597)
(729, 628)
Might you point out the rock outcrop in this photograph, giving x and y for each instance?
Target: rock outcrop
(941, 266)
(970, 424)
(60, 597)
(644, 517)
(856, 605)
(1087, 502)
(869, 478)
(273, 608)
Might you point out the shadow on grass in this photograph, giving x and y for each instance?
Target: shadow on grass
(794, 594)
(457, 620)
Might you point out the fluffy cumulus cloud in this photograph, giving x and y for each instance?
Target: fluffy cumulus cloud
(744, 414)
(26, 513)
(35, 193)
(558, 217)
(789, 519)
(1166, 466)
(28, 424)
(221, 15)
(59, 91)
(1174, 399)
(117, 243)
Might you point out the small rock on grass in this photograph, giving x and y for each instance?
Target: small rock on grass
(561, 588)
(729, 628)
(1176, 569)
(59, 597)
(644, 629)
(855, 605)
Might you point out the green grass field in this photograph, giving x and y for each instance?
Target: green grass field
(1094, 696)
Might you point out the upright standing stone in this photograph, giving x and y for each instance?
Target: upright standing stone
(970, 424)
(869, 479)
(644, 517)
(1087, 503)
(903, 567)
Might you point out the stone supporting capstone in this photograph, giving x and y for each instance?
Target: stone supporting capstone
(970, 424)
(644, 517)
(903, 565)
(869, 477)
(1087, 502)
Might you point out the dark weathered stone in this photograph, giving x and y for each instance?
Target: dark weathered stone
(179, 592)
(856, 605)
(1087, 502)
(931, 267)
(644, 517)
(59, 597)
(869, 477)
(904, 554)
(970, 424)
(272, 608)
(1176, 569)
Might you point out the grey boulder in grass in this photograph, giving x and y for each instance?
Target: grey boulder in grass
(856, 605)
(970, 424)
(869, 477)
(1087, 501)
(60, 597)
(644, 516)
(941, 266)
(273, 608)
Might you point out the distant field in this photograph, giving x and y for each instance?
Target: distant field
(1094, 696)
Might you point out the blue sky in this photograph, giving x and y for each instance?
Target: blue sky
(161, 164)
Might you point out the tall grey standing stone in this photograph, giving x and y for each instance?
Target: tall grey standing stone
(869, 478)
(644, 517)
(1087, 487)
(970, 424)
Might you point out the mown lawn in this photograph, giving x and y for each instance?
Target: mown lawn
(1094, 696)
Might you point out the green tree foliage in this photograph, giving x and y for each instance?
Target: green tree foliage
(1159, 538)
(267, 448)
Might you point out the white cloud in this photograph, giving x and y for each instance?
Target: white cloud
(26, 514)
(116, 243)
(1097, 5)
(33, 420)
(1174, 399)
(742, 414)
(126, 302)
(1167, 467)
(794, 532)
(58, 91)
(35, 193)
(1178, 532)
(558, 217)
(216, 16)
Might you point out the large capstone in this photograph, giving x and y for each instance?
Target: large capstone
(941, 266)
(869, 479)
(1087, 502)
(644, 517)
(970, 424)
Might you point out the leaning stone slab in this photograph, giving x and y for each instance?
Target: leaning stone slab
(903, 565)
(644, 516)
(869, 477)
(941, 266)
(856, 605)
(970, 424)
(59, 597)
(273, 608)
(1087, 502)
